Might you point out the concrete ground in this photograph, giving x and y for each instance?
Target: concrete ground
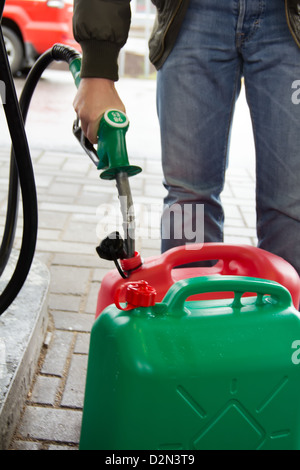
(72, 203)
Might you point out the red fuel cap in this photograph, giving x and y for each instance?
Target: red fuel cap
(137, 294)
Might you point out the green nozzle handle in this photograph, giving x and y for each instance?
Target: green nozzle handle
(75, 68)
(112, 151)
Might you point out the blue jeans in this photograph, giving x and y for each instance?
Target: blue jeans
(220, 42)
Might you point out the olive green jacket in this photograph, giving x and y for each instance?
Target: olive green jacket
(101, 27)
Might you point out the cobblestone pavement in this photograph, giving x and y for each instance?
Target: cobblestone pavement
(72, 200)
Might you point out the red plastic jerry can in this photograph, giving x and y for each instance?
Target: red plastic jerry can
(164, 270)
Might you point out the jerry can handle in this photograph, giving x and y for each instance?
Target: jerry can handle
(181, 290)
(259, 261)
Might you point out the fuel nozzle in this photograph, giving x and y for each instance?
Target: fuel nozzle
(111, 156)
(113, 159)
(112, 151)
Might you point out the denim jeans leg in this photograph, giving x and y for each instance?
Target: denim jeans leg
(196, 93)
(271, 68)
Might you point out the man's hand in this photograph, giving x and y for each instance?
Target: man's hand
(94, 97)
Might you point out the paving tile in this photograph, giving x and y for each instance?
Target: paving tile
(45, 197)
(64, 189)
(54, 159)
(153, 167)
(99, 273)
(91, 303)
(232, 210)
(67, 303)
(51, 424)
(232, 222)
(77, 179)
(45, 390)
(153, 242)
(67, 208)
(93, 199)
(75, 249)
(57, 354)
(42, 180)
(45, 234)
(69, 280)
(82, 343)
(73, 321)
(155, 189)
(79, 167)
(80, 232)
(250, 219)
(52, 220)
(237, 240)
(73, 395)
(237, 231)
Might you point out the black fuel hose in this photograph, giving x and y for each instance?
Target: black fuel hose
(11, 214)
(27, 184)
(21, 168)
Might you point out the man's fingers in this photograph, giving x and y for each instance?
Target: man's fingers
(92, 132)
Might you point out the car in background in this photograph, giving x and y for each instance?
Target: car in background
(31, 27)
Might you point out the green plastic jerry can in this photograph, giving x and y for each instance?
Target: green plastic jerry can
(195, 375)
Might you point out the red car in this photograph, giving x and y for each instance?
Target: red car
(30, 27)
